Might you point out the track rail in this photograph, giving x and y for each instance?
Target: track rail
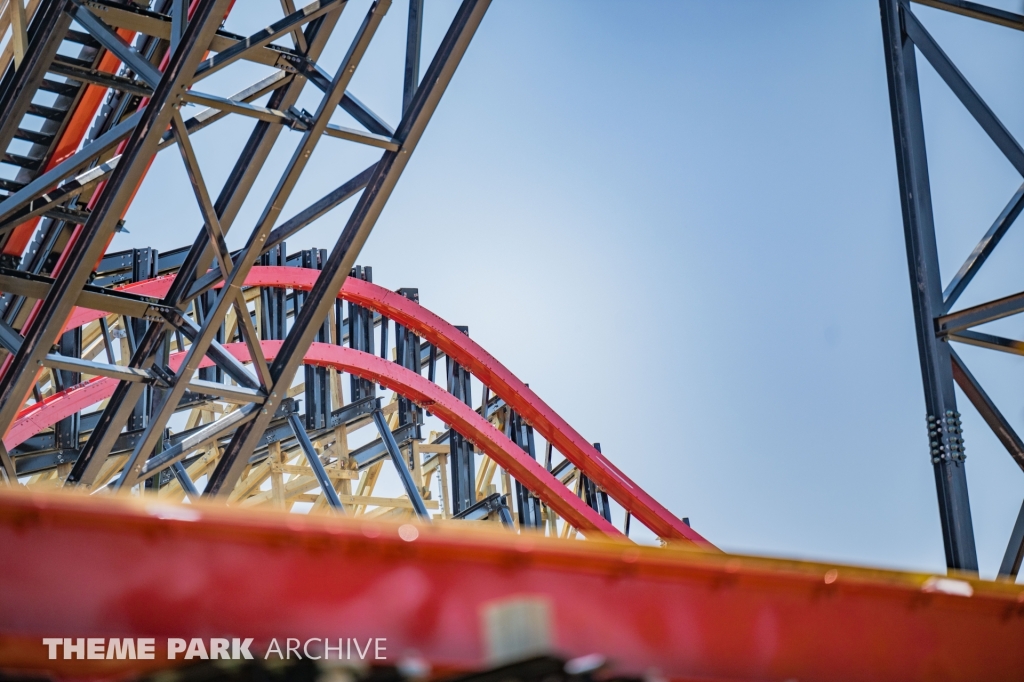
(446, 337)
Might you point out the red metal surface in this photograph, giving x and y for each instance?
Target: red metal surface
(109, 567)
(485, 367)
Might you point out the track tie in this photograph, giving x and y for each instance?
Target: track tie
(34, 137)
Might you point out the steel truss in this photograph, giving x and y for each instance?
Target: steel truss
(937, 322)
(194, 354)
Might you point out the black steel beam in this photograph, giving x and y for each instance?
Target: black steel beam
(401, 466)
(186, 483)
(326, 486)
(492, 504)
(413, 38)
(979, 314)
(18, 86)
(1010, 565)
(978, 11)
(988, 410)
(233, 194)
(983, 250)
(234, 281)
(109, 39)
(357, 229)
(925, 283)
(84, 74)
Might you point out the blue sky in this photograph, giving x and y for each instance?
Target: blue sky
(680, 223)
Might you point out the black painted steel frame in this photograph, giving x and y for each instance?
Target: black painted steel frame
(904, 37)
(146, 101)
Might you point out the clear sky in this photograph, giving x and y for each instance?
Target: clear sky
(679, 222)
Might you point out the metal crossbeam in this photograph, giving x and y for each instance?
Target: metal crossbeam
(109, 39)
(137, 340)
(250, 161)
(232, 285)
(265, 36)
(321, 298)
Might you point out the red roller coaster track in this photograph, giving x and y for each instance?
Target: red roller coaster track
(454, 343)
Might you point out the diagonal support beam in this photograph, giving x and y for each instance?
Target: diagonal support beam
(219, 244)
(413, 39)
(234, 281)
(983, 250)
(177, 452)
(73, 164)
(234, 192)
(349, 103)
(184, 481)
(400, 464)
(55, 198)
(988, 410)
(314, 462)
(90, 240)
(355, 233)
(109, 39)
(1010, 565)
(964, 91)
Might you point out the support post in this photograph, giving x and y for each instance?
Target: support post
(926, 286)
(400, 464)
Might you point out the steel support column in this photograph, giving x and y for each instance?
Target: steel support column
(926, 285)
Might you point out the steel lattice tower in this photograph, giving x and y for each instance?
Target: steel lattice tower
(937, 319)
